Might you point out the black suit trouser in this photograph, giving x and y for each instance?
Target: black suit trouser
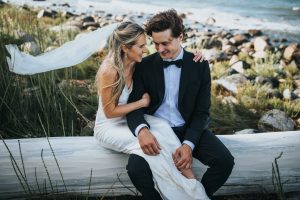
(210, 151)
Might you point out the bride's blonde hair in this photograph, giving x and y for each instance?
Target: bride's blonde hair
(127, 33)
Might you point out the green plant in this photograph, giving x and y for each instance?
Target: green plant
(24, 97)
(276, 179)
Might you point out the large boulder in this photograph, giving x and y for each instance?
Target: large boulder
(260, 44)
(297, 92)
(229, 49)
(254, 32)
(214, 54)
(206, 42)
(275, 120)
(45, 13)
(88, 19)
(231, 83)
(259, 54)
(289, 51)
(31, 48)
(274, 93)
(272, 81)
(289, 95)
(65, 27)
(246, 131)
(238, 39)
(240, 66)
(210, 21)
(234, 59)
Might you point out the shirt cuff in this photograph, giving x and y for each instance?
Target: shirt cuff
(189, 143)
(137, 130)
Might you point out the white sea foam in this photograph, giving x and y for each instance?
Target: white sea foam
(296, 8)
(227, 20)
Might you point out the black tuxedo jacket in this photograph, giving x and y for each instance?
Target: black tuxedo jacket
(193, 99)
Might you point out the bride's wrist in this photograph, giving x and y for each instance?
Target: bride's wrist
(141, 103)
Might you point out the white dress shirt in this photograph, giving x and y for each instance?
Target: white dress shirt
(168, 110)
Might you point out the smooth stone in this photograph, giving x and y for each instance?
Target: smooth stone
(230, 100)
(254, 32)
(65, 27)
(210, 21)
(271, 93)
(247, 131)
(231, 83)
(275, 120)
(289, 95)
(260, 44)
(288, 52)
(240, 66)
(259, 54)
(297, 92)
(88, 19)
(233, 60)
(238, 39)
(44, 13)
(209, 42)
(272, 81)
(31, 48)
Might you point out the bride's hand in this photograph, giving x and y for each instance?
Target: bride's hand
(145, 100)
(198, 56)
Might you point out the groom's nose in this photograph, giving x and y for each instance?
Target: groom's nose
(160, 48)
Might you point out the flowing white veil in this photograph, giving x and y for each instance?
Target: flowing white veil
(69, 54)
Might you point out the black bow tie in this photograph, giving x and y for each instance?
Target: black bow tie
(178, 63)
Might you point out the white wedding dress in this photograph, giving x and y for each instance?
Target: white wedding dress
(114, 134)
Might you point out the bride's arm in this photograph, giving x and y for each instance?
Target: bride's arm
(110, 108)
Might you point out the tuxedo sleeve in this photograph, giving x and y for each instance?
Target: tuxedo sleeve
(136, 117)
(200, 117)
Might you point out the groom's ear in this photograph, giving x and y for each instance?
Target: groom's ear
(180, 37)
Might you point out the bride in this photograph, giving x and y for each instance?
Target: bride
(127, 43)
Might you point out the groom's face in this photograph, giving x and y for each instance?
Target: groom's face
(167, 46)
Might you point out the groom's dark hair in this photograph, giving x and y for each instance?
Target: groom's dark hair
(165, 20)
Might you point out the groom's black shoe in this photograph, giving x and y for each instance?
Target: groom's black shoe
(141, 176)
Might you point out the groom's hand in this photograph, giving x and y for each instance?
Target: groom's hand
(148, 142)
(183, 157)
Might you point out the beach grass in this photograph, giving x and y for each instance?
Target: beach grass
(55, 96)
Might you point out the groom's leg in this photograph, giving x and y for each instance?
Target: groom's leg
(141, 176)
(213, 153)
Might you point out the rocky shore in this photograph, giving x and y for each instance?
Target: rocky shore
(248, 68)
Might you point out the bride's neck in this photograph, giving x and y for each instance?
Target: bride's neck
(128, 64)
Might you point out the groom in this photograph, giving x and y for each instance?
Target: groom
(180, 93)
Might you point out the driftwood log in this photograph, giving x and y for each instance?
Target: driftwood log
(89, 169)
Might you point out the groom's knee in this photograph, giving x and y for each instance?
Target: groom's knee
(138, 167)
(226, 163)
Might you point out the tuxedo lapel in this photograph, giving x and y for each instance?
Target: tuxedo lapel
(184, 77)
(159, 76)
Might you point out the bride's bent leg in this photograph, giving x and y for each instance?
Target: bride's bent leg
(140, 175)
(117, 137)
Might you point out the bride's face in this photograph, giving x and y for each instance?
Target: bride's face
(135, 53)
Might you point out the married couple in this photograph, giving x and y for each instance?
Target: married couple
(155, 108)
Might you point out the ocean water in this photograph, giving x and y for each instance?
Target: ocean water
(281, 17)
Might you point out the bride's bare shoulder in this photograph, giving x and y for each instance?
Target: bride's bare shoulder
(107, 67)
